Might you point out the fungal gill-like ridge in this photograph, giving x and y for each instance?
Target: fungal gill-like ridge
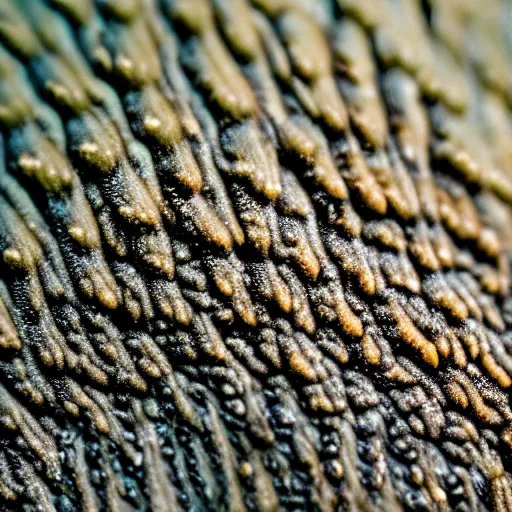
(255, 255)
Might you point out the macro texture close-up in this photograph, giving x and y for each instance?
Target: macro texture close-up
(255, 255)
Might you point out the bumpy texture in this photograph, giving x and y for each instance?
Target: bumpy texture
(255, 255)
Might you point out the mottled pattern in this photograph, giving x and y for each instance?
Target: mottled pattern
(255, 255)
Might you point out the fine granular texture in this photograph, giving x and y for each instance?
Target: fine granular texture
(255, 255)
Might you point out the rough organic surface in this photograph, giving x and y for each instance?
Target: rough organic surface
(255, 255)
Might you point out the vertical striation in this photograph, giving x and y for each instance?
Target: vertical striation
(255, 255)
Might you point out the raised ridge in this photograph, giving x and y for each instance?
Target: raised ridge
(255, 255)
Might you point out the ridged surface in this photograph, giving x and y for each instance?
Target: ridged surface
(255, 255)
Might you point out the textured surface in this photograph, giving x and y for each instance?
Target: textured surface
(255, 255)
